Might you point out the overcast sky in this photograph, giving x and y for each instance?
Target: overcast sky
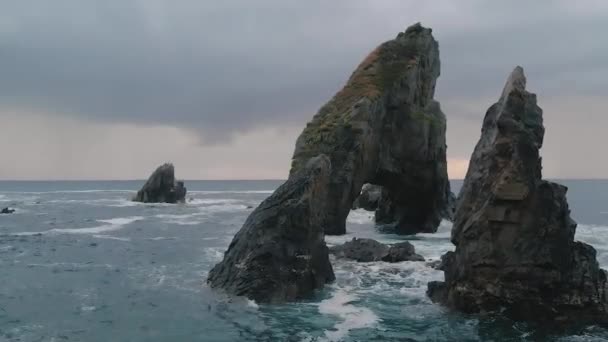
(109, 89)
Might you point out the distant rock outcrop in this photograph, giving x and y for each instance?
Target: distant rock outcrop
(7, 211)
(280, 253)
(515, 248)
(385, 128)
(369, 197)
(367, 250)
(161, 187)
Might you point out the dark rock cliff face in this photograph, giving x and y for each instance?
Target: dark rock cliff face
(385, 128)
(513, 233)
(161, 187)
(280, 253)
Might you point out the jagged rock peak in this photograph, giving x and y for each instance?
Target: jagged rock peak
(514, 238)
(384, 127)
(515, 82)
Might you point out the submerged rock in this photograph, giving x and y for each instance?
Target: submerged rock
(514, 237)
(161, 187)
(280, 253)
(367, 250)
(369, 197)
(385, 128)
(7, 211)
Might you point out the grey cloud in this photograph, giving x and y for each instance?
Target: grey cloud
(221, 67)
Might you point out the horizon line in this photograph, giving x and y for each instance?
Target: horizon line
(224, 180)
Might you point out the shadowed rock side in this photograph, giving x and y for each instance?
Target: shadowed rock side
(385, 128)
(161, 187)
(369, 197)
(513, 233)
(280, 253)
(368, 250)
(389, 213)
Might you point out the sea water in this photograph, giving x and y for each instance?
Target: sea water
(80, 262)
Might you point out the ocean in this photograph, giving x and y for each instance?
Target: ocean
(80, 262)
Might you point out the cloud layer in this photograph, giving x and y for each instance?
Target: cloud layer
(221, 69)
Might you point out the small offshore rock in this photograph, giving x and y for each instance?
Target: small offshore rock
(7, 211)
(162, 187)
(368, 250)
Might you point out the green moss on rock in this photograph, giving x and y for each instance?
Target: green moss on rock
(379, 71)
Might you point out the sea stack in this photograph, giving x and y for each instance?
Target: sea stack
(515, 248)
(385, 128)
(7, 211)
(280, 254)
(161, 187)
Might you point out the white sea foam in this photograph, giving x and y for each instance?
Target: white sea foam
(159, 238)
(109, 237)
(71, 265)
(199, 201)
(224, 207)
(333, 240)
(252, 304)
(360, 216)
(184, 222)
(110, 225)
(215, 253)
(353, 317)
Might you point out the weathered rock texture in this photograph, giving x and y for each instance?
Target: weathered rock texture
(367, 250)
(385, 128)
(513, 233)
(280, 253)
(161, 187)
(369, 197)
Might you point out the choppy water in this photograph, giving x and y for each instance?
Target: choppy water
(80, 262)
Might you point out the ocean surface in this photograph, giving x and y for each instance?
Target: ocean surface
(80, 262)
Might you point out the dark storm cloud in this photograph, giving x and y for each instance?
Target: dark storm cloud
(226, 66)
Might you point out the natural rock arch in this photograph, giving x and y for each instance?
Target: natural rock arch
(385, 128)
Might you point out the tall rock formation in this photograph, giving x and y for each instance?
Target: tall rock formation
(280, 253)
(513, 233)
(385, 128)
(161, 187)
